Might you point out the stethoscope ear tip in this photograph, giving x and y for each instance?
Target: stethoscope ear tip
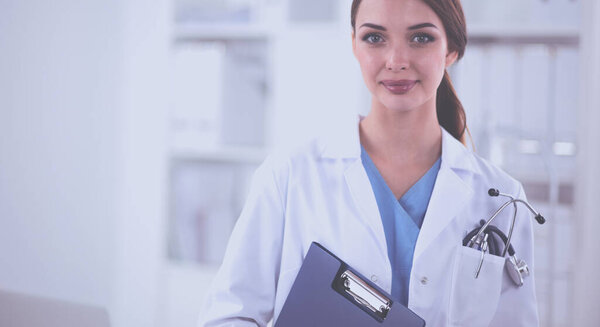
(540, 219)
(493, 192)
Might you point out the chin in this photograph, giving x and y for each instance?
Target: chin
(396, 104)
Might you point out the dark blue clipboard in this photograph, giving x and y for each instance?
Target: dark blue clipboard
(328, 292)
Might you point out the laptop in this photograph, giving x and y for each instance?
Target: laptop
(20, 310)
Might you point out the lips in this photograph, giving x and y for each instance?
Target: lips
(399, 86)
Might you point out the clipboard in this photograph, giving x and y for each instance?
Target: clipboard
(328, 292)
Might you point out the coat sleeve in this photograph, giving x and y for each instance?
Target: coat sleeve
(518, 305)
(243, 291)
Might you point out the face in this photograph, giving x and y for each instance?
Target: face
(402, 50)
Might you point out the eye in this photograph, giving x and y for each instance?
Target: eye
(373, 38)
(423, 38)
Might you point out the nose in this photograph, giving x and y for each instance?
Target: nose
(397, 59)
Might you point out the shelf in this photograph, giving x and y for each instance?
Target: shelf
(253, 155)
(195, 32)
(191, 269)
(184, 288)
(557, 35)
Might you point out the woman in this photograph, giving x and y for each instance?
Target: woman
(393, 196)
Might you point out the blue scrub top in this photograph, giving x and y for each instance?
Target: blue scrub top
(402, 220)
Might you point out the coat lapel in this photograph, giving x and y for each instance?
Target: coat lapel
(344, 143)
(450, 195)
(451, 192)
(364, 198)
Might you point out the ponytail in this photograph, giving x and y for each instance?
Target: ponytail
(450, 112)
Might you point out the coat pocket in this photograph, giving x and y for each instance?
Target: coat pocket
(473, 301)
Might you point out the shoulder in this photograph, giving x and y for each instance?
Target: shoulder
(479, 172)
(281, 164)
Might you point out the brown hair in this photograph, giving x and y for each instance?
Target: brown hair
(450, 112)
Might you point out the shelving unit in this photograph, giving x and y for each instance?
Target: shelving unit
(523, 35)
(249, 155)
(215, 144)
(203, 32)
(186, 284)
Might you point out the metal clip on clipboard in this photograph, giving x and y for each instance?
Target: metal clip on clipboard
(365, 295)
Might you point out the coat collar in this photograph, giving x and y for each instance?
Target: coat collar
(451, 192)
(345, 143)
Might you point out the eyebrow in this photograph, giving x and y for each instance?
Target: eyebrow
(373, 26)
(414, 27)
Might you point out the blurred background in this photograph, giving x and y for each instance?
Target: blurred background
(130, 129)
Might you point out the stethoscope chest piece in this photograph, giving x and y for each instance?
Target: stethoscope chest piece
(517, 269)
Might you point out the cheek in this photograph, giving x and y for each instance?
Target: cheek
(434, 65)
(370, 66)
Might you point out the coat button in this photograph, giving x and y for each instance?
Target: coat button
(374, 278)
(424, 280)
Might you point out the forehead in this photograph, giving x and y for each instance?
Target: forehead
(396, 13)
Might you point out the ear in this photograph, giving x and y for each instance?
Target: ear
(451, 58)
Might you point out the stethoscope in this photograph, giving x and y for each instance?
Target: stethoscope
(479, 239)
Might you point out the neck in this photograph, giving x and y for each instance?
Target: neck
(402, 137)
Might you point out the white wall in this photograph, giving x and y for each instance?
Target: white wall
(140, 231)
(58, 147)
(82, 142)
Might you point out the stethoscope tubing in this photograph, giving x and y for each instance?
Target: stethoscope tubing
(488, 222)
(538, 217)
(512, 224)
(494, 247)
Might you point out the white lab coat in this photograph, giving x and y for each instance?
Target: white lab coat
(322, 193)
